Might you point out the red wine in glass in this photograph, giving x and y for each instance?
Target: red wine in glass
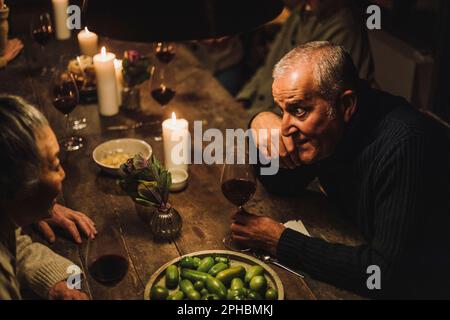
(109, 269)
(65, 97)
(165, 51)
(238, 184)
(41, 29)
(41, 36)
(65, 104)
(238, 191)
(163, 95)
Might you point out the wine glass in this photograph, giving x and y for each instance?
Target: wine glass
(65, 97)
(41, 29)
(164, 51)
(162, 88)
(238, 183)
(106, 257)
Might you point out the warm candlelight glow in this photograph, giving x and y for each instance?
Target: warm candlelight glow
(103, 51)
(87, 31)
(80, 64)
(117, 63)
(174, 118)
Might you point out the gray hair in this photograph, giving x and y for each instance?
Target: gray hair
(20, 160)
(333, 68)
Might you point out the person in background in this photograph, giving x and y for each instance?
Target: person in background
(335, 21)
(9, 49)
(223, 57)
(12, 50)
(30, 181)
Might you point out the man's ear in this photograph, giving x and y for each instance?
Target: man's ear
(348, 104)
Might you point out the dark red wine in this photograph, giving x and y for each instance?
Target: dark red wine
(41, 36)
(65, 104)
(163, 95)
(165, 56)
(109, 269)
(238, 191)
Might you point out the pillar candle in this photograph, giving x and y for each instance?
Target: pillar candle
(106, 83)
(119, 80)
(176, 143)
(88, 42)
(60, 15)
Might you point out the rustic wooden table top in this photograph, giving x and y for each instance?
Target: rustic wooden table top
(205, 212)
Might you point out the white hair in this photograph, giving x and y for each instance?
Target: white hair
(333, 68)
(20, 160)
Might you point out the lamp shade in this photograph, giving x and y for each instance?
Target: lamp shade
(177, 20)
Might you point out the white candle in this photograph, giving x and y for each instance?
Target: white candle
(119, 80)
(60, 15)
(176, 143)
(106, 83)
(88, 42)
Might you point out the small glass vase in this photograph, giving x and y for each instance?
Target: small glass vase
(131, 98)
(166, 223)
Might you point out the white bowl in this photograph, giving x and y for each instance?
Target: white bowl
(128, 146)
(179, 179)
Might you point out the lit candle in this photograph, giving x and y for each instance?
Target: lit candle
(176, 143)
(60, 15)
(88, 42)
(119, 80)
(106, 83)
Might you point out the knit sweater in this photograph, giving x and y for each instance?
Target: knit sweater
(390, 176)
(27, 263)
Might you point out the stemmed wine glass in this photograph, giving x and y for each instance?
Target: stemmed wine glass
(106, 257)
(162, 88)
(238, 183)
(65, 97)
(164, 51)
(42, 31)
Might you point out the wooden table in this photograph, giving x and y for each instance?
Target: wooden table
(205, 212)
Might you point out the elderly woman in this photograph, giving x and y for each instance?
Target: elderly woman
(30, 180)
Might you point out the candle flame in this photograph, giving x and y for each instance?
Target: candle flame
(86, 29)
(103, 51)
(174, 118)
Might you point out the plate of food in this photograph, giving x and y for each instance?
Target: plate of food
(111, 154)
(214, 275)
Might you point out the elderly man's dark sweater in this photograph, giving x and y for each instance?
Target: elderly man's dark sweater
(390, 176)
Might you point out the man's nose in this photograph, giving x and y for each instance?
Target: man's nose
(287, 125)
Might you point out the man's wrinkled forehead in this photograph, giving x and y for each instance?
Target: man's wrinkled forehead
(294, 82)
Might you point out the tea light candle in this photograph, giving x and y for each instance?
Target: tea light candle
(88, 42)
(179, 179)
(176, 143)
(60, 15)
(106, 83)
(119, 79)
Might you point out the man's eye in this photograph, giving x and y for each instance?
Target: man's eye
(299, 112)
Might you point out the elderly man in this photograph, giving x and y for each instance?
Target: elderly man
(30, 180)
(384, 165)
